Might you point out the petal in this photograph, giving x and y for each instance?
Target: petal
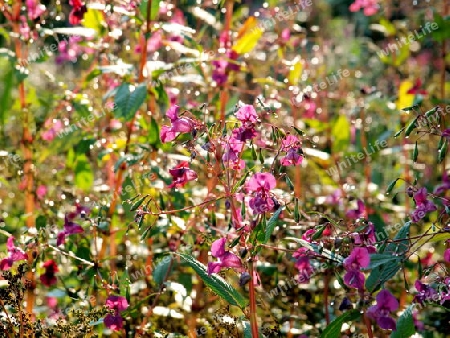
(214, 267)
(386, 323)
(447, 255)
(182, 125)
(218, 248)
(386, 300)
(172, 113)
(167, 134)
(354, 279)
(230, 260)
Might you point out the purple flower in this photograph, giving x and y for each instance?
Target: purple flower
(70, 228)
(447, 255)
(223, 66)
(260, 185)
(386, 303)
(426, 293)
(358, 212)
(181, 174)
(225, 259)
(14, 255)
(48, 278)
(292, 146)
(359, 258)
(423, 205)
(118, 304)
(178, 125)
(243, 133)
(446, 133)
(442, 188)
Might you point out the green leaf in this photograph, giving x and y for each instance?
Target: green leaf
(415, 153)
(241, 181)
(138, 203)
(5, 96)
(379, 259)
(397, 134)
(84, 177)
(161, 270)
(405, 324)
(333, 330)
(386, 271)
(215, 282)
(127, 102)
(154, 9)
(442, 151)
(270, 227)
(391, 187)
(341, 134)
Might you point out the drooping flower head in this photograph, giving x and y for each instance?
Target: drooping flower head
(181, 174)
(423, 205)
(14, 255)
(179, 125)
(225, 259)
(118, 304)
(48, 278)
(359, 258)
(260, 185)
(386, 304)
(292, 146)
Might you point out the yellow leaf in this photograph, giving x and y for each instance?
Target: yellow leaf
(248, 41)
(389, 28)
(295, 73)
(405, 99)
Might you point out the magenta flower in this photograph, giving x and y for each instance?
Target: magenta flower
(416, 88)
(303, 264)
(14, 255)
(386, 303)
(447, 255)
(118, 304)
(367, 238)
(232, 149)
(178, 125)
(359, 258)
(223, 67)
(370, 6)
(292, 146)
(77, 13)
(41, 191)
(70, 228)
(423, 205)
(49, 278)
(260, 185)
(444, 186)
(225, 259)
(285, 35)
(446, 134)
(55, 126)
(181, 174)
(358, 212)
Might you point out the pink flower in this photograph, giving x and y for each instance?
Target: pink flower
(41, 191)
(181, 174)
(223, 67)
(426, 292)
(55, 126)
(247, 114)
(358, 212)
(14, 255)
(260, 185)
(423, 205)
(178, 125)
(34, 10)
(225, 259)
(386, 303)
(285, 35)
(49, 278)
(232, 149)
(370, 6)
(118, 304)
(292, 146)
(359, 258)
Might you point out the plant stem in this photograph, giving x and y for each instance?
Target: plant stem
(253, 318)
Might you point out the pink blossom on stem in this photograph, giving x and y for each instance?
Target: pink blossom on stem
(48, 278)
(260, 185)
(178, 125)
(181, 174)
(14, 255)
(423, 205)
(225, 259)
(358, 212)
(118, 304)
(35, 9)
(292, 146)
(370, 7)
(359, 258)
